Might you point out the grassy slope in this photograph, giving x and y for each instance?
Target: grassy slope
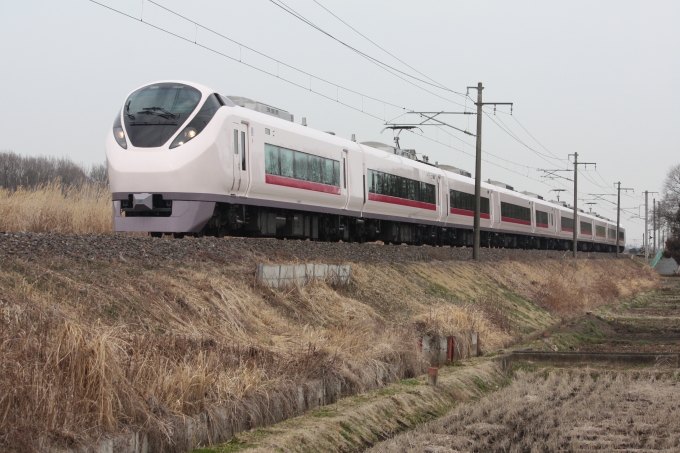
(93, 347)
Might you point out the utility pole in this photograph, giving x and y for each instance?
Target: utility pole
(576, 223)
(646, 233)
(654, 224)
(618, 214)
(646, 242)
(478, 166)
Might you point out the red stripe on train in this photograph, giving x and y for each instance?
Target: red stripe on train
(300, 184)
(401, 201)
(511, 220)
(541, 225)
(567, 230)
(469, 213)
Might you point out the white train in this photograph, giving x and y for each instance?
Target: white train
(183, 159)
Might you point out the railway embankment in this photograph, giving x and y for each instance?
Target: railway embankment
(168, 344)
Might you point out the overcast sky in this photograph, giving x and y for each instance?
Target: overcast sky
(598, 78)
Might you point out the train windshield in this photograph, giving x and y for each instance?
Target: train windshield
(154, 113)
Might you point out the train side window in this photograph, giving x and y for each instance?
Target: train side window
(314, 168)
(235, 141)
(336, 173)
(271, 160)
(300, 171)
(243, 150)
(328, 174)
(286, 156)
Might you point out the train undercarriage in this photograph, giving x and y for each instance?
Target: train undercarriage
(255, 221)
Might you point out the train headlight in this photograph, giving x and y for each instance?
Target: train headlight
(187, 134)
(119, 133)
(200, 121)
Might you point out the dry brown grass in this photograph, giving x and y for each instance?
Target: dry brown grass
(91, 348)
(576, 410)
(89, 351)
(55, 207)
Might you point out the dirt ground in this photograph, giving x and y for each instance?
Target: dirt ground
(647, 322)
(558, 410)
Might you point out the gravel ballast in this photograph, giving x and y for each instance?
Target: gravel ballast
(232, 250)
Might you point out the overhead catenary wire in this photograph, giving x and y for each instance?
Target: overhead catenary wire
(375, 61)
(240, 59)
(383, 49)
(484, 159)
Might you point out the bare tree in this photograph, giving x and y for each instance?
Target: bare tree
(30, 172)
(670, 197)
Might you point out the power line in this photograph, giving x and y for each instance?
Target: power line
(485, 159)
(384, 50)
(513, 136)
(375, 61)
(240, 60)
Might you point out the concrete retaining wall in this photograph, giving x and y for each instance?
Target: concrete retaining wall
(440, 350)
(583, 358)
(281, 275)
(222, 423)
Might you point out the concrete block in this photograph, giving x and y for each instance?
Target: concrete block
(105, 446)
(321, 271)
(441, 355)
(301, 401)
(309, 272)
(300, 272)
(343, 274)
(268, 275)
(426, 345)
(287, 275)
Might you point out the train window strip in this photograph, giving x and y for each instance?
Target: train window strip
(466, 202)
(541, 218)
(621, 235)
(586, 228)
(567, 223)
(600, 230)
(513, 211)
(397, 186)
(289, 163)
(612, 233)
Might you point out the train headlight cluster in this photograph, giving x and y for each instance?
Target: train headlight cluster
(187, 134)
(200, 121)
(119, 133)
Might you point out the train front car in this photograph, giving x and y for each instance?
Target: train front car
(166, 154)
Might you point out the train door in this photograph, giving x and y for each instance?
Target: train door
(236, 154)
(242, 167)
(344, 178)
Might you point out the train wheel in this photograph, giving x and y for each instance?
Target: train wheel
(178, 235)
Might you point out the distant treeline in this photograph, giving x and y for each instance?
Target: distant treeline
(32, 172)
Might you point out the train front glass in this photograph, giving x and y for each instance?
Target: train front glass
(154, 113)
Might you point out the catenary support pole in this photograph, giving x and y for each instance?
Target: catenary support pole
(654, 223)
(618, 216)
(646, 230)
(576, 224)
(476, 235)
(478, 176)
